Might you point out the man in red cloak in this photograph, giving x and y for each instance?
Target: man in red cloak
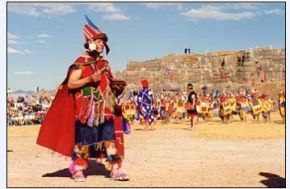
(85, 121)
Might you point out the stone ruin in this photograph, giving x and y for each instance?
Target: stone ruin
(261, 68)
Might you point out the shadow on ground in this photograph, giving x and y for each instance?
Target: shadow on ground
(93, 169)
(273, 180)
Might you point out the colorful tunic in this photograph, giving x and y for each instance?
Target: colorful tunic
(243, 103)
(256, 106)
(282, 101)
(95, 119)
(225, 108)
(282, 105)
(203, 105)
(191, 103)
(145, 104)
(81, 120)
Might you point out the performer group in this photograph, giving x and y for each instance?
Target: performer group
(202, 106)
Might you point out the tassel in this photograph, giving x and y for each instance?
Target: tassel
(97, 113)
(102, 120)
(91, 112)
(92, 116)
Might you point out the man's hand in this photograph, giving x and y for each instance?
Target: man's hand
(97, 75)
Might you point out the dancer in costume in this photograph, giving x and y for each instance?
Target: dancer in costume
(243, 106)
(129, 110)
(266, 106)
(85, 120)
(191, 105)
(145, 104)
(282, 104)
(164, 113)
(225, 109)
(203, 104)
(233, 104)
(255, 104)
(180, 109)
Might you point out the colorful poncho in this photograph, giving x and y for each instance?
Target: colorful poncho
(57, 131)
(145, 104)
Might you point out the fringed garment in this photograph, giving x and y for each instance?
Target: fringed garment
(96, 121)
(81, 121)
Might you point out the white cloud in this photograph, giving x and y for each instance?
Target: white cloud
(12, 39)
(103, 7)
(115, 16)
(55, 9)
(16, 51)
(274, 12)
(111, 12)
(58, 9)
(13, 51)
(41, 9)
(26, 72)
(40, 41)
(26, 51)
(257, 7)
(215, 13)
(23, 8)
(163, 5)
(240, 6)
(41, 37)
(12, 42)
(12, 36)
(44, 35)
(218, 11)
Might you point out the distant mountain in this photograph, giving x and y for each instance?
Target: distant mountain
(26, 93)
(23, 92)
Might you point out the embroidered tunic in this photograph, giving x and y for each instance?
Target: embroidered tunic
(94, 110)
(145, 104)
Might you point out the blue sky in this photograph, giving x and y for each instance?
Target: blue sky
(43, 39)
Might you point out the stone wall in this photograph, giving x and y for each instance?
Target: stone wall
(256, 67)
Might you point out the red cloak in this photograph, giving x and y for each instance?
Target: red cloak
(57, 131)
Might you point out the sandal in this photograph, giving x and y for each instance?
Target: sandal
(79, 177)
(119, 176)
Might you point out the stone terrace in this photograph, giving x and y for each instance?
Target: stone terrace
(259, 67)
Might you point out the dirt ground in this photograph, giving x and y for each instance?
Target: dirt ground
(237, 154)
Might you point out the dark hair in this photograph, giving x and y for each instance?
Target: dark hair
(189, 85)
(86, 45)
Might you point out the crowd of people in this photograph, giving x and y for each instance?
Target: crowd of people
(222, 104)
(165, 107)
(27, 110)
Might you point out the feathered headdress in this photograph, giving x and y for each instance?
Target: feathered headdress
(92, 32)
